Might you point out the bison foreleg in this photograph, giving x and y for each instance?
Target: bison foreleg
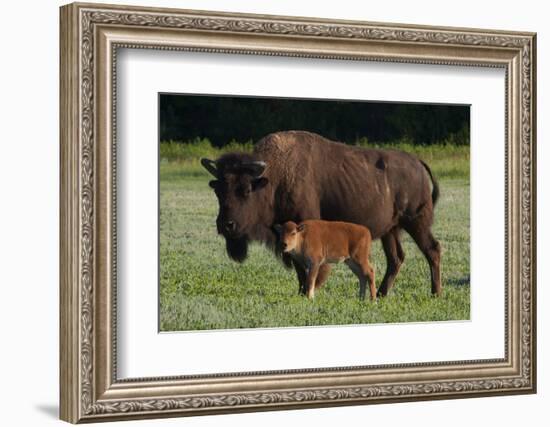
(394, 257)
(301, 274)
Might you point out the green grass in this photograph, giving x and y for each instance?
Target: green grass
(200, 288)
(180, 160)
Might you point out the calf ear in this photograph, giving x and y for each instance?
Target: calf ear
(301, 228)
(259, 183)
(278, 229)
(213, 183)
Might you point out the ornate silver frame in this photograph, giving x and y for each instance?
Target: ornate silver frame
(90, 35)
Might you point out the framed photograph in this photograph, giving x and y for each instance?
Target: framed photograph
(265, 213)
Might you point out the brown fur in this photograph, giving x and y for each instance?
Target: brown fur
(305, 176)
(315, 243)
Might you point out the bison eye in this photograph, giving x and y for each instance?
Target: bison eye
(259, 183)
(244, 191)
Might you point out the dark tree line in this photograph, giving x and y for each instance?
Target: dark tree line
(222, 119)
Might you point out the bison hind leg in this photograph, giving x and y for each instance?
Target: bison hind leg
(420, 231)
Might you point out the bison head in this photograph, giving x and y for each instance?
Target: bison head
(239, 187)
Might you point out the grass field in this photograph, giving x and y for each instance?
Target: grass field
(201, 288)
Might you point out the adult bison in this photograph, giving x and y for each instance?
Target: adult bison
(296, 175)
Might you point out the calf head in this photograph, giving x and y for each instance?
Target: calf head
(290, 235)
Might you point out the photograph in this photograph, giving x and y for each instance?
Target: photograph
(289, 212)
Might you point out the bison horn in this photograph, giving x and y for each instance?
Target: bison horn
(210, 166)
(257, 167)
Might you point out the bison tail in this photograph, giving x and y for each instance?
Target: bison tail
(435, 185)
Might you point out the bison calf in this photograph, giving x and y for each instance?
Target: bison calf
(314, 243)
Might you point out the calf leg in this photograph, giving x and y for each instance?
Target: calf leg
(312, 273)
(364, 272)
(394, 257)
(431, 249)
(324, 272)
(369, 271)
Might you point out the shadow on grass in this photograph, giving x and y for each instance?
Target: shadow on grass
(459, 282)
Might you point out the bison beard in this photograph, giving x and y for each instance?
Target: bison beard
(237, 248)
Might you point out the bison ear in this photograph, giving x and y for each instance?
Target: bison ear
(256, 168)
(210, 166)
(259, 183)
(278, 229)
(213, 183)
(301, 228)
